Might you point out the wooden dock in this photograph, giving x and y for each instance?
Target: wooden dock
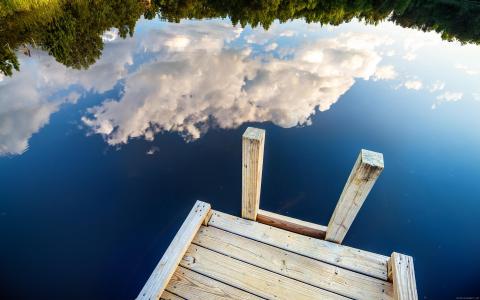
(263, 255)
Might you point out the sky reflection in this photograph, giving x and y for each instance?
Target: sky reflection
(191, 76)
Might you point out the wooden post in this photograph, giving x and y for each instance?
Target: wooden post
(253, 142)
(365, 172)
(162, 273)
(402, 274)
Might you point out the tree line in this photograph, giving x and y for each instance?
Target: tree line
(71, 30)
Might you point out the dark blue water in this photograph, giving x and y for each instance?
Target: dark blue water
(87, 215)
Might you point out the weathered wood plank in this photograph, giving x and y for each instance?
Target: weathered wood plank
(194, 286)
(365, 172)
(291, 224)
(166, 295)
(360, 261)
(250, 278)
(326, 276)
(403, 277)
(253, 142)
(168, 263)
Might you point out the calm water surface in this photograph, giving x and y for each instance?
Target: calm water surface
(102, 156)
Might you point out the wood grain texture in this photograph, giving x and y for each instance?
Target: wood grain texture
(365, 172)
(403, 277)
(193, 286)
(360, 261)
(166, 295)
(252, 279)
(322, 275)
(291, 224)
(162, 273)
(253, 142)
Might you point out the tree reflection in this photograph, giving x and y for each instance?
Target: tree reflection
(71, 31)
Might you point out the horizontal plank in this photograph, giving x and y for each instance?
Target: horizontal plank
(403, 277)
(326, 276)
(291, 224)
(162, 273)
(360, 261)
(252, 279)
(193, 286)
(169, 296)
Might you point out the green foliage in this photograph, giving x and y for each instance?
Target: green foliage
(8, 61)
(70, 30)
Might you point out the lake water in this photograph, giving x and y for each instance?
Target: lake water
(106, 143)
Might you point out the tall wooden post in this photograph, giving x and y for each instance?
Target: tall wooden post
(253, 142)
(365, 172)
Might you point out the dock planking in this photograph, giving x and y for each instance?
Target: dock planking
(360, 261)
(322, 275)
(265, 255)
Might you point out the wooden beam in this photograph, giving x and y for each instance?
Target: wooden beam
(291, 224)
(252, 279)
(365, 172)
(322, 275)
(402, 273)
(360, 261)
(253, 142)
(162, 273)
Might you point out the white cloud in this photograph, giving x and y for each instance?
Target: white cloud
(413, 84)
(436, 86)
(271, 47)
(409, 56)
(288, 33)
(385, 73)
(467, 69)
(185, 92)
(415, 40)
(110, 35)
(447, 97)
(390, 53)
(450, 96)
(476, 96)
(152, 150)
(27, 99)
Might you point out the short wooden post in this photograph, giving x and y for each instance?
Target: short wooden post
(365, 172)
(253, 142)
(162, 273)
(401, 272)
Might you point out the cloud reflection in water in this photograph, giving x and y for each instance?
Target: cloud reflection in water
(187, 77)
(197, 75)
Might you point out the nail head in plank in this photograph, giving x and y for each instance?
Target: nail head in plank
(162, 273)
(365, 172)
(360, 261)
